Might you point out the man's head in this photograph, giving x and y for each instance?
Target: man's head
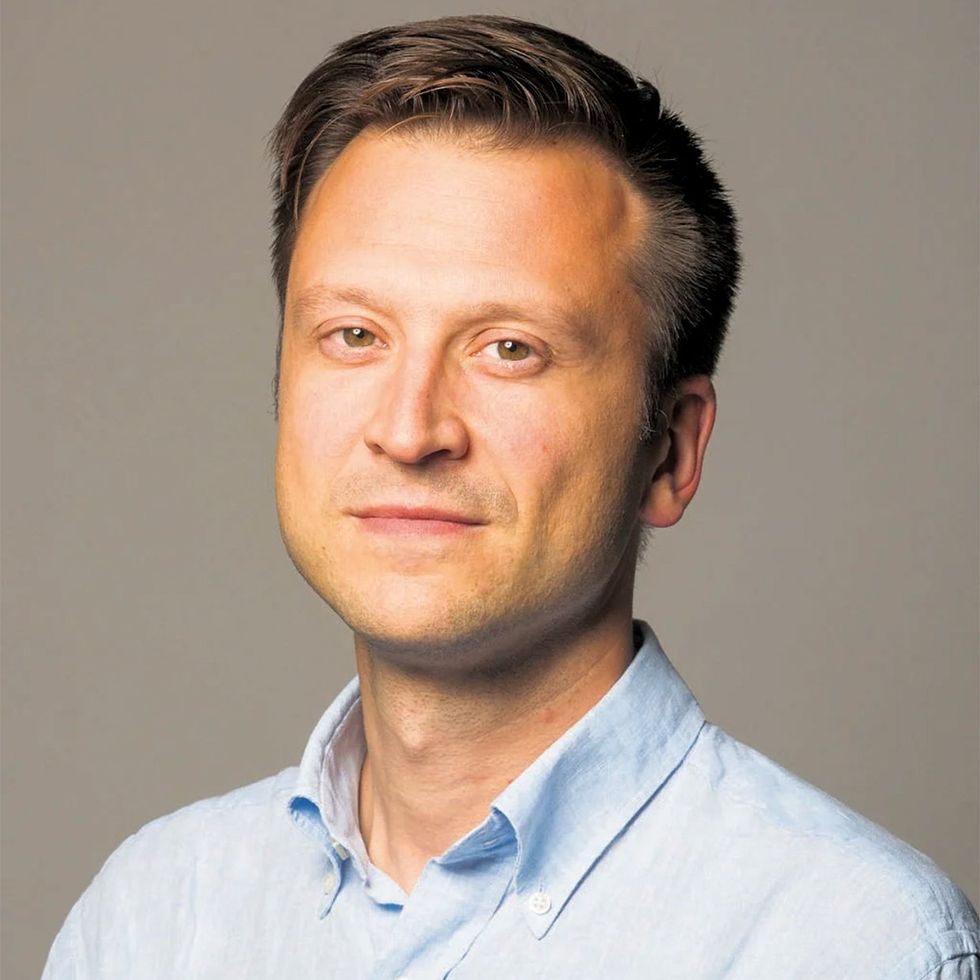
(498, 260)
(495, 81)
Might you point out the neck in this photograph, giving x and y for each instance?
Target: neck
(440, 750)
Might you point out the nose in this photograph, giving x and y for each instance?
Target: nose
(415, 420)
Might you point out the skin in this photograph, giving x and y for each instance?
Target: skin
(478, 644)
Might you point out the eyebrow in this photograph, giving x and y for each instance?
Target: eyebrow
(315, 297)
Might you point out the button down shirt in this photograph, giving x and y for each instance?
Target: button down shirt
(644, 842)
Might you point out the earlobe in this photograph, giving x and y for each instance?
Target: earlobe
(681, 449)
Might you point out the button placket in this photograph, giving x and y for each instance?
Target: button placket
(330, 885)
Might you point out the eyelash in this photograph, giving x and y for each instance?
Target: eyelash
(534, 353)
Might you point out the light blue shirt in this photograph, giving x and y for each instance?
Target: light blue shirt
(645, 842)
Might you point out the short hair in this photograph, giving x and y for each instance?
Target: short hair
(502, 82)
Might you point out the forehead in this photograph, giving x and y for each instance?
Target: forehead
(555, 217)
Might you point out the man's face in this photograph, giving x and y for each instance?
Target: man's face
(460, 340)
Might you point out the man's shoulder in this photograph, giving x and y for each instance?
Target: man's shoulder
(814, 852)
(242, 800)
(175, 874)
(171, 846)
(761, 799)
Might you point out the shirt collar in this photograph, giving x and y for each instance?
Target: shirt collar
(570, 803)
(324, 800)
(565, 808)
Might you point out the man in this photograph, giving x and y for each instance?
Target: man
(505, 274)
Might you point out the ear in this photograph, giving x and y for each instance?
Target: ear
(679, 453)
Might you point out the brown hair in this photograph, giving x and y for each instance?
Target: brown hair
(503, 82)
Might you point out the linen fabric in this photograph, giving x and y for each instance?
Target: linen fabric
(644, 843)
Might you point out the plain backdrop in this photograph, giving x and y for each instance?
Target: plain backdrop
(820, 595)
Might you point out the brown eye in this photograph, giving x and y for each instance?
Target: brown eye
(513, 350)
(357, 337)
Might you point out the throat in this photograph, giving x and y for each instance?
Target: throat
(437, 756)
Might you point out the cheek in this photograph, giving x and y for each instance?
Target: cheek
(568, 460)
(524, 427)
(535, 438)
(318, 424)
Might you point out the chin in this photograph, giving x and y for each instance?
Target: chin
(417, 626)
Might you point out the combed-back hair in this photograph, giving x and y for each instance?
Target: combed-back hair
(500, 82)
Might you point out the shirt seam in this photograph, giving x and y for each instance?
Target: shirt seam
(937, 904)
(931, 908)
(951, 958)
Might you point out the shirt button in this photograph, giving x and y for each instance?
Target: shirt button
(329, 882)
(539, 903)
(340, 849)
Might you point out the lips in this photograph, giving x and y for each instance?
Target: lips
(398, 512)
(401, 522)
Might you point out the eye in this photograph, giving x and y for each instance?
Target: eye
(351, 345)
(357, 336)
(508, 355)
(512, 350)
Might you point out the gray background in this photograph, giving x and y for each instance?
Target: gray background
(820, 596)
